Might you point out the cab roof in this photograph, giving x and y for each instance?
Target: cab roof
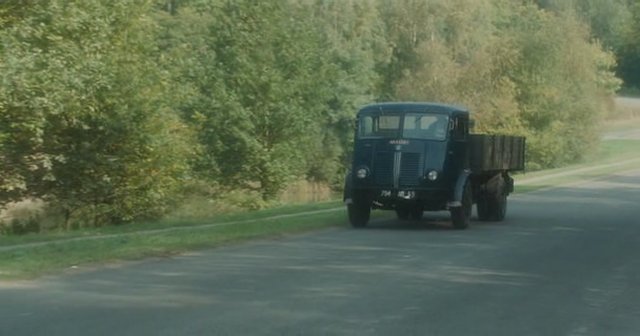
(413, 107)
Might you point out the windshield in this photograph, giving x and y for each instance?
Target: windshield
(410, 125)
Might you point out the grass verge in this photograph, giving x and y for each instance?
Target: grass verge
(33, 255)
(55, 256)
(60, 235)
(612, 157)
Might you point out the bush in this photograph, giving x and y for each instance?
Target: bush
(19, 226)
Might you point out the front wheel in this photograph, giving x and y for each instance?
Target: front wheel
(358, 214)
(460, 215)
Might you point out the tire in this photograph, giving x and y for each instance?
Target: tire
(483, 208)
(460, 215)
(499, 206)
(416, 213)
(492, 206)
(403, 213)
(358, 214)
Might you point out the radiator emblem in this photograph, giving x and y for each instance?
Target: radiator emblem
(399, 142)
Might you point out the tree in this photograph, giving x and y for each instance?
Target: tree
(629, 52)
(23, 107)
(110, 150)
(108, 108)
(355, 45)
(522, 69)
(563, 81)
(258, 81)
(466, 64)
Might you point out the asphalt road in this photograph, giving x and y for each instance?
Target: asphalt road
(565, 262)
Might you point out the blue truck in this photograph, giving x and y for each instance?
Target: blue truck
(416, 157)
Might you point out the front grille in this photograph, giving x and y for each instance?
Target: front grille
(383, 168)
(410, 169)
(408, 173)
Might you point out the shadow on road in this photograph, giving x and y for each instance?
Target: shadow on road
(431, 221)
(537, 206)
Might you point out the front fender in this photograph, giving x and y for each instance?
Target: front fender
(458, 190)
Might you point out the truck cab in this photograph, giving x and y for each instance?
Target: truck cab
(410, 158)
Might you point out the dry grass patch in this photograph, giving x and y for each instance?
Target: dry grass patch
(626, 107)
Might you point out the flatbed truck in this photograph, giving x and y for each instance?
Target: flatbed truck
(416, 157)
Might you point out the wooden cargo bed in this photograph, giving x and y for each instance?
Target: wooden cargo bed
(496, 152)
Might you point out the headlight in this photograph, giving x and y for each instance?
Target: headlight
(432, 175)
(362, 173)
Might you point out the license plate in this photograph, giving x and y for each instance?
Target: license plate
(406, 194)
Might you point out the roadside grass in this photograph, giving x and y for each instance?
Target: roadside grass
(99, 247)
(591, 174)
(625, 107)
(623, 124)
(33, 255)
(613, 156)
(171, 222)
(48, 258)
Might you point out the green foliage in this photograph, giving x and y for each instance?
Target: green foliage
(564, 82)
(112, 110)
(466, 64)
(616, 24)
(258, 87)
(91, 126)
(274, 91)
(521, 69)
(355, 44)
(629, 52)
(23, 105)
(607, 19)
(21, 226)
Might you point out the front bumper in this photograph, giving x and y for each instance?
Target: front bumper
(429, 199)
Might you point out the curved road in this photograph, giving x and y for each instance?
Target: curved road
(565, 262)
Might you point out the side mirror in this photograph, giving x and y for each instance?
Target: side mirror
(472, 124)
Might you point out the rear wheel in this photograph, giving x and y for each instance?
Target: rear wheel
(483, 209)
(499, 206)
(460, 215)
(492, 206)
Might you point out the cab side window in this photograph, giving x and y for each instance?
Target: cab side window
(460, 128)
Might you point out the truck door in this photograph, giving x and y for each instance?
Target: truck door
(458, 144)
